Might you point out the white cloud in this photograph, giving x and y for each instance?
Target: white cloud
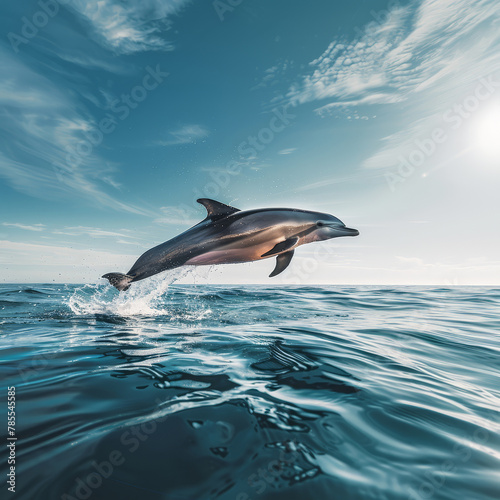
(413, 49)
(187, 134)
(94, 232)
(287, 151)
(34, 254)
(426, 56)
(45, 119)
(27, 262)
(375, 98)
(45, 124)
(275, 74)
(125, 242)
(357, 177)
(400, 143)
(268, 78)
(126, 27)
(88, 61)
(348, 71)
(121, 236)
(27, 227)
(178, 215)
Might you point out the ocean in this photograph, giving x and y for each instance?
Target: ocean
(173, 391)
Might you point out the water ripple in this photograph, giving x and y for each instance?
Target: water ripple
(230, 392)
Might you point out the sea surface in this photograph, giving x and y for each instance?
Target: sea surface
(197, 392)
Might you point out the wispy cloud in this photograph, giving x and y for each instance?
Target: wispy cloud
(175, 215)
(375, 98)
(43, 123)
(87, 61)
(94, 232)
(47, 107)
(127, 27)
(268, 78)
(14, 251)
(414, 49)
(125, 235)
(426, 54)
(349, 71)
(362, 175)
(27, 227)
(125, 242)
(187, 134)
(287, 151)
(274, 75)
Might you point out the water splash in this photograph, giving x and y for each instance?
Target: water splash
(144, 298)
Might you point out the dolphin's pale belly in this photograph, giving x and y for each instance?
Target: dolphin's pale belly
(231, 255)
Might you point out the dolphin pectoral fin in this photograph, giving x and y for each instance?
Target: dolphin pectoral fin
(281, 246)
(282, 262)
(216, 209)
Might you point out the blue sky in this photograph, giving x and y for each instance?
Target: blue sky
(116, 116)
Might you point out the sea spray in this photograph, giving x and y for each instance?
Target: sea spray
(144, 298)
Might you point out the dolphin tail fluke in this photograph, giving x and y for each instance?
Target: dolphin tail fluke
(119, 281)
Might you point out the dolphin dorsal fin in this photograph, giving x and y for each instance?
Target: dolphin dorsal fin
(216, 209)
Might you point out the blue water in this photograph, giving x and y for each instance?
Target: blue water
(252, 392)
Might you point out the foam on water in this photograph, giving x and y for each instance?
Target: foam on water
(144, 298)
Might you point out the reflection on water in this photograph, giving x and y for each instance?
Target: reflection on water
(194, 392)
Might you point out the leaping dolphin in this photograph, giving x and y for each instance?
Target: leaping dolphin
(229, 235)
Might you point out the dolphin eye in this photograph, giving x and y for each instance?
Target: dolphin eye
(319, 224)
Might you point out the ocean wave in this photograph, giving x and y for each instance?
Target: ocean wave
(290, 392)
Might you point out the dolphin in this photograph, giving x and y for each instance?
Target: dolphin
(229, 235)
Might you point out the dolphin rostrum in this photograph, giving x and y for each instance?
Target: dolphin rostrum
(229, 235)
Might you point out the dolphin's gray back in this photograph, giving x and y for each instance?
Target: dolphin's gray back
(168, 255)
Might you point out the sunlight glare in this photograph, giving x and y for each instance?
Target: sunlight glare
(487, 132)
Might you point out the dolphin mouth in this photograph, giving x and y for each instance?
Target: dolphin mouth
(347, 231)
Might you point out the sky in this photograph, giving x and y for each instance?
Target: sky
(117, 115)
